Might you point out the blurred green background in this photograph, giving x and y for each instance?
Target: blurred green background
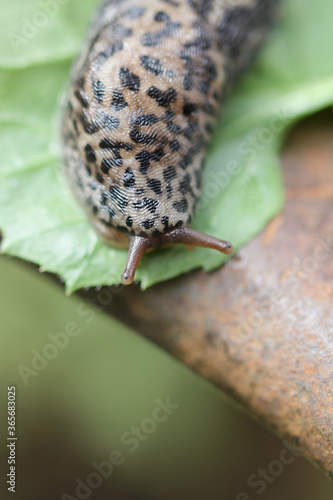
(75, 410)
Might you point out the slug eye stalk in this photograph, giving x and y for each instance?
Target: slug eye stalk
(139, 245)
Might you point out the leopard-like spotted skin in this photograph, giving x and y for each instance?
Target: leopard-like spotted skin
(143, 101)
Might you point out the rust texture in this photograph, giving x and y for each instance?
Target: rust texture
(261, 328)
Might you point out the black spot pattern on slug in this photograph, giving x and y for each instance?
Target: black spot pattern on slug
(141, 138)
(129, 80)
(198, 178)
(203, 42)
(110, 122)
(143, 105)
(109, 52)
(148, 203)
(155, 38)
(162, 98)
(119, 31)
(118, 101)
(175, 145)
(155, 185)
(103, 199)
(145, 120)
(108, 163)
(79, 94)
(190, 108)
(129, 221)
(185, 184)
(118, 197)
(152, 65)
(165, 222)
(169, 173)
(89, 127)
(161, 17)
(174, 128)
(144, 158)
(115, 145)
(129, 178)
(111, 213)
(202, 8)
(148, 224)
(98, 90)
(90, 153)
(180, 206)
(169, 189)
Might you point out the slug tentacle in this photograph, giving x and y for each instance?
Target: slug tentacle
(193, 238)
(138, 246)
(142, 104)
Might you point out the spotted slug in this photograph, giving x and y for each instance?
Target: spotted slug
(143, 99)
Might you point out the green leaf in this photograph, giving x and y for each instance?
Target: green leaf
(242, 187)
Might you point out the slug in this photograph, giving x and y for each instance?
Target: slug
(143, 99)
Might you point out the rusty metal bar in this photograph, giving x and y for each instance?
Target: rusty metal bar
(261, 328)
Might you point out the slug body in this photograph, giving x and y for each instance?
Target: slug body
(144, 96)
